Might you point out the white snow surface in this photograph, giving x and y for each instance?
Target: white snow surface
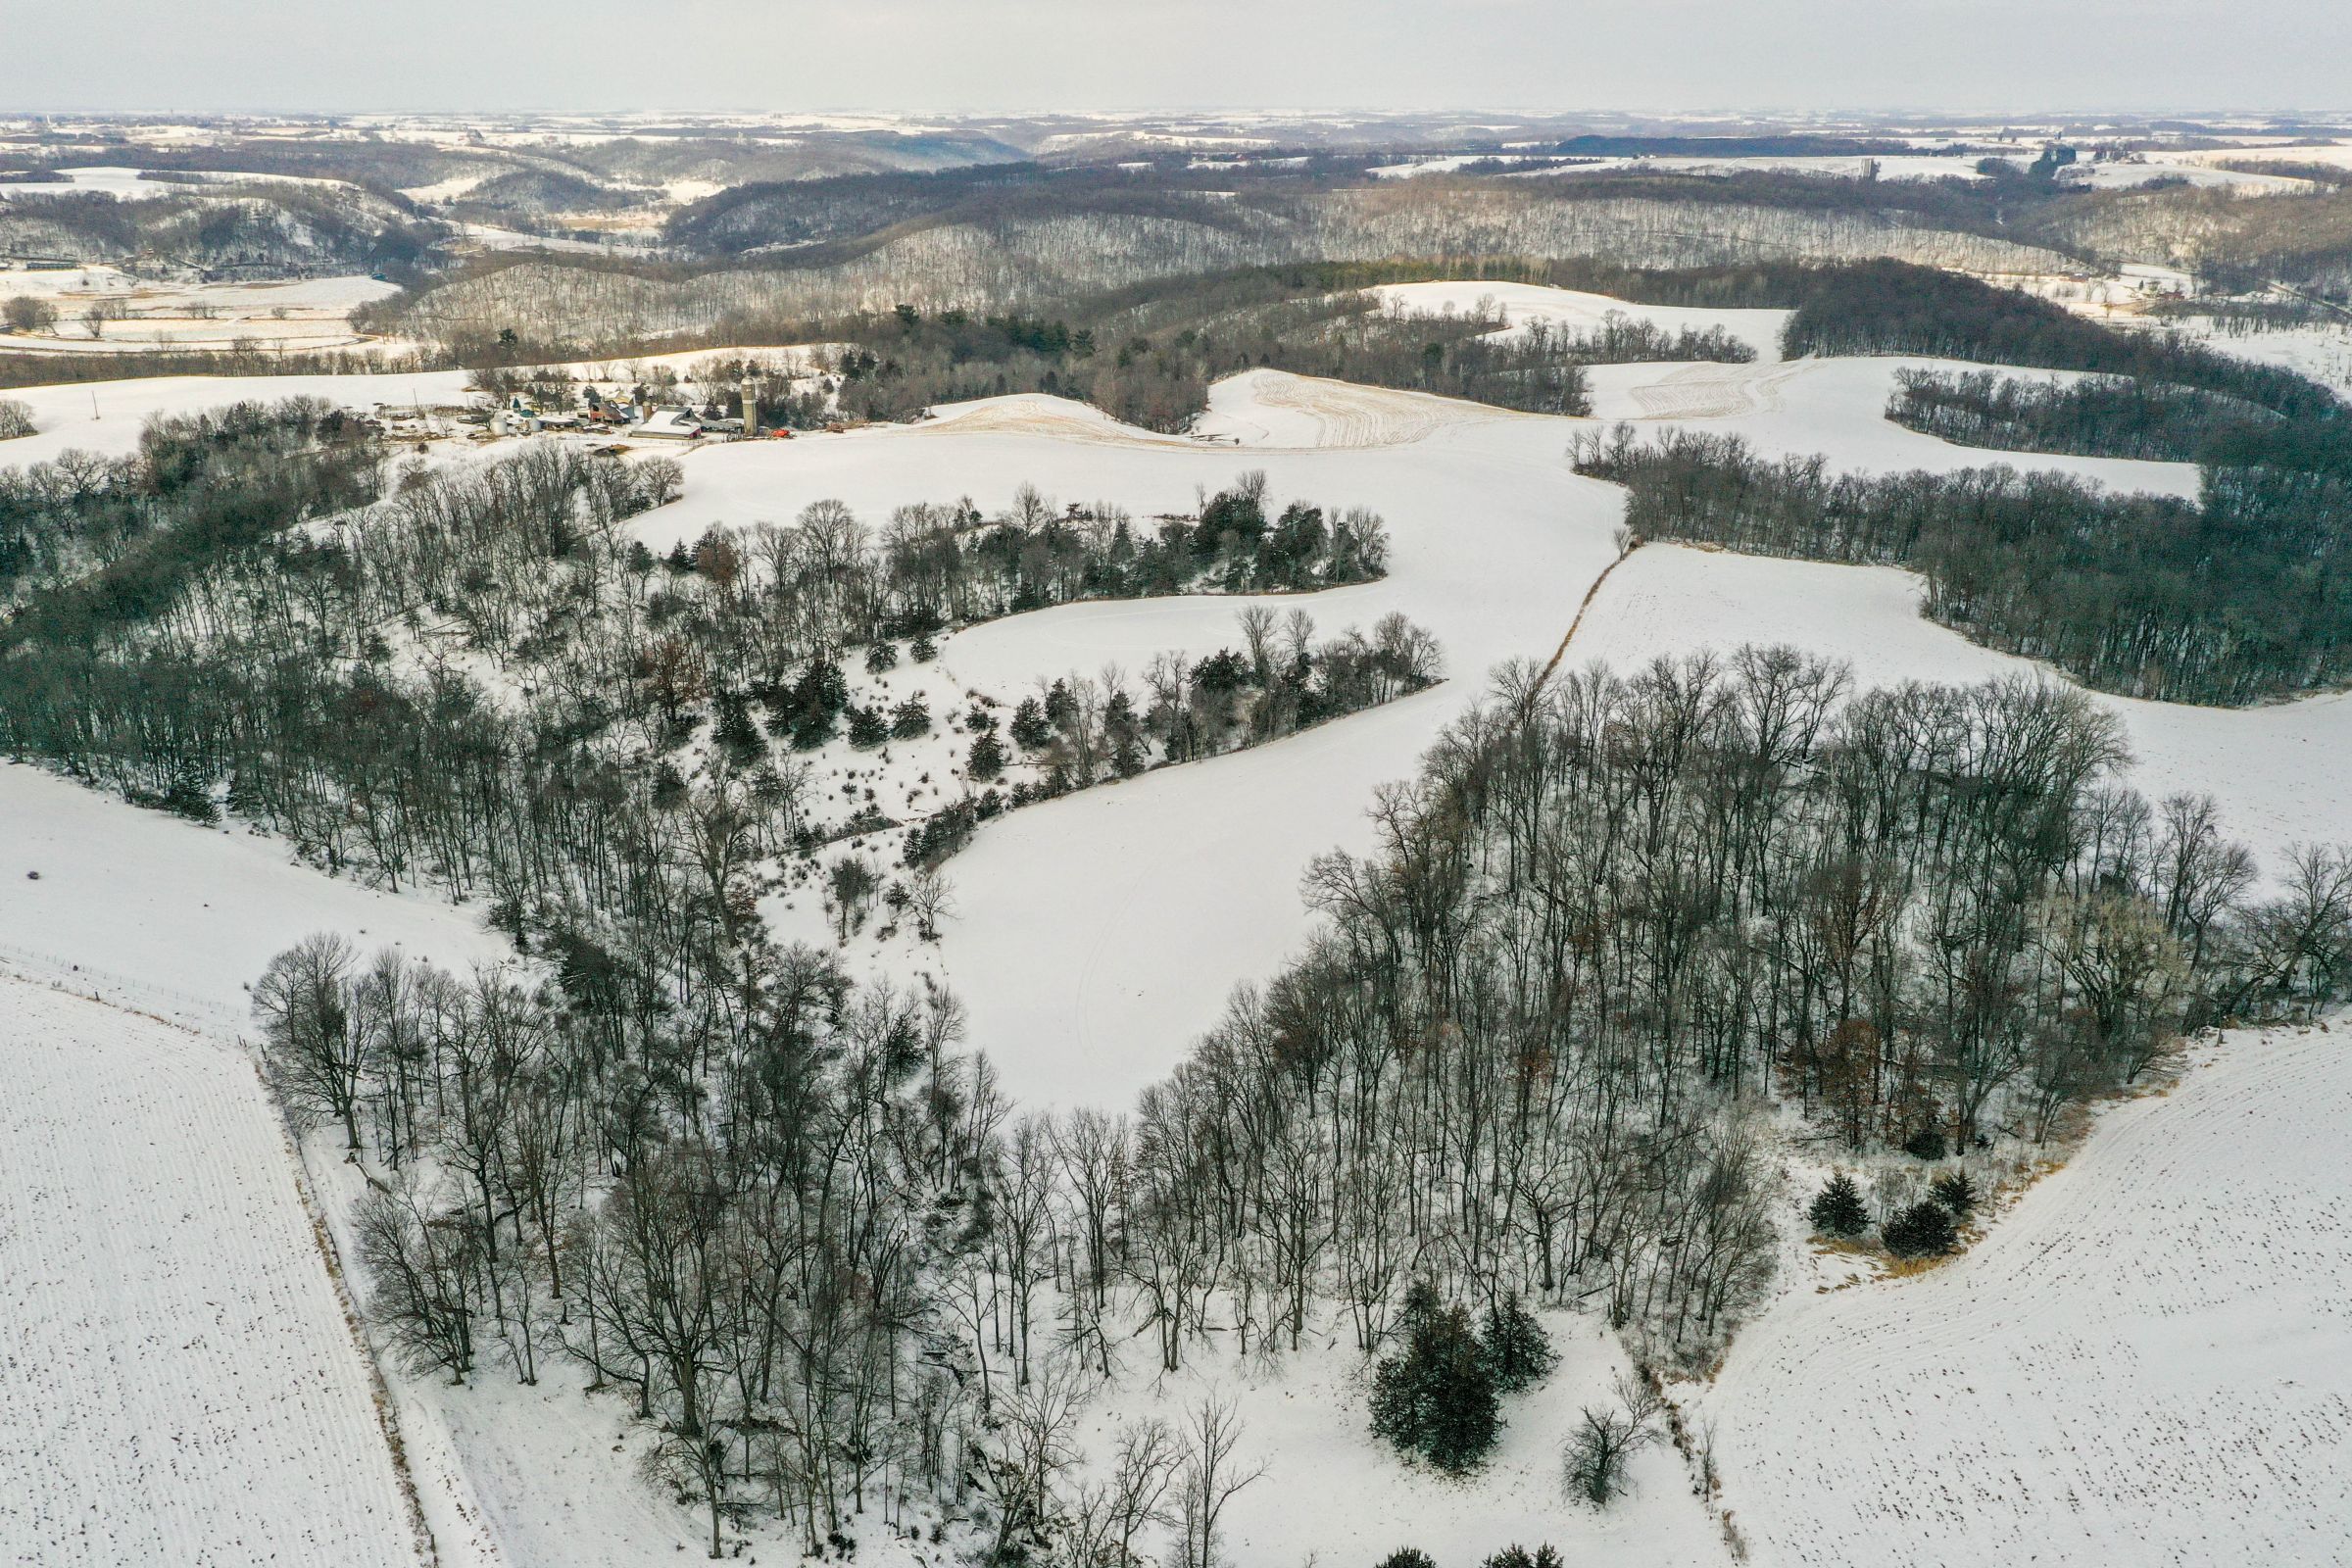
(106, 417)
(182, 1384)
(1140, 903)
(1578, 311)
(123, 182)
(2278, 770)
(177, 920)
(2147, 1361)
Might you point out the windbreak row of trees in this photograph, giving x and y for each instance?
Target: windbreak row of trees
(2237, 596)
(2120, 417)
(1281, 680)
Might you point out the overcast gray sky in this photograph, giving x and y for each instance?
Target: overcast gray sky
(940, 55)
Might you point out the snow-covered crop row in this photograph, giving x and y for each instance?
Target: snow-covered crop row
(2148, 1361)
(179, 1381)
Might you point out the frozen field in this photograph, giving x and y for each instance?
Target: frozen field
(106, 417)
(180, 1382)
(146, 315)
(1521, 303)
(1101, 933)
(125, 183)
(2148, 1361)
(177, 919)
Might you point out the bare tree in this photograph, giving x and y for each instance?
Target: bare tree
(1213, 1475)
(314, 1054)
(419, 1265)
(1605, 1439)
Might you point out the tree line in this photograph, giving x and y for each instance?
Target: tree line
(904, 362)
(2101, 415)
(2232, 598)
(1888, 307)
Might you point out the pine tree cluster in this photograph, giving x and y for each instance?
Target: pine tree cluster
(1441, 1397)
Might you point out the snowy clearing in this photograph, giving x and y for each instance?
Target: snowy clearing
(177, 920)
(2147, 1360)
(1099, 934)
(1146, 902)
(1578, 311)
(125, 183)
(181, 1383)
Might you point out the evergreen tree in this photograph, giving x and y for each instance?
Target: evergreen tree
(1515, 1555)
(1955, 1193)
(1838, 1209)
(736, 733)
(1124, 734)
(1408, 1557)
(911, 718)
(1438, 1399)
(1517, 1351)
(1923, 1230)
(867, 728)
(815, 702)
(1030, 731)
(880, 656)
(1061, 706)
(988, 758)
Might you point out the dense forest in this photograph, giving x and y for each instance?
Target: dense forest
(907, 362)
(2105, 416)
(442, 684)
(1618, 924)
(123, 531)
(1041, 256)
(2121, 417)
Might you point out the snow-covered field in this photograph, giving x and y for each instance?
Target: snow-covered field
(1334, 1494)
(1521, 303)
(106, 417)
(1921, 166)
(177, 919)
(126, 184)
(145, 315)
(2148, 1360)
(179, 1381)
(2280, 771)
(1142, 904)
(2323, 352)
